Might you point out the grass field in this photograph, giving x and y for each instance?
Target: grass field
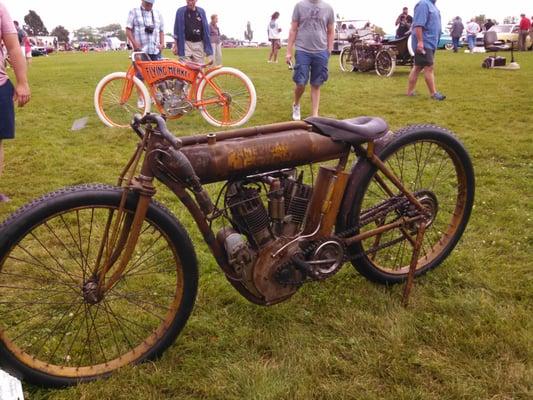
(468, 333)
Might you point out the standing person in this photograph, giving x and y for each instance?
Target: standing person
(9, 94)
(27, 50)
(274, 36)
(456, 31)
(145, 30)
(216, 41)
(191, 32)
(525, 26)
(312, 32)
(487, 25)
(427, 29)
(472, 29)
(21, 34)
(403, 23)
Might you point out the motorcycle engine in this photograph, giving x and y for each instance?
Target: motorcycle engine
(256, 226)
(364, 57)
(172, 95)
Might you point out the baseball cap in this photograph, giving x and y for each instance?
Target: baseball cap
(150, 1)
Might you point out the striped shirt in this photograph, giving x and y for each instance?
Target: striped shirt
(138, 20)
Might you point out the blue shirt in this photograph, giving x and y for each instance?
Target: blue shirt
(427, 16)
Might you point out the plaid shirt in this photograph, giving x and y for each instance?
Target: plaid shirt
(138, 19)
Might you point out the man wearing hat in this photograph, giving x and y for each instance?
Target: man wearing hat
(145, 30)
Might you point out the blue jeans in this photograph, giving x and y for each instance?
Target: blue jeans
(455, 43)
(314, 64)
(471, 41)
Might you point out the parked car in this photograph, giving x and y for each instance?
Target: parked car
(445, 42)
(508, 33)
(229, 44)
(345, 29)
(37, 51)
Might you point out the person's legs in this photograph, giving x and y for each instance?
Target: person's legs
(319, 75)
(455, 42)
(471, 42)
(413, 77)
(275, 50)
(315, 100)
(429, 77)
(300, 77)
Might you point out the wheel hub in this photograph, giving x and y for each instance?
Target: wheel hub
(90, 292)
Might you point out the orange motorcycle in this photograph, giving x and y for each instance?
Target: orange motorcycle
(225, 96)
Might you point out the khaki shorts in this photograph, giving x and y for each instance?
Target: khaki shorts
(194, 51)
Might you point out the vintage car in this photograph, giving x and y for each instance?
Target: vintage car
(345, 29)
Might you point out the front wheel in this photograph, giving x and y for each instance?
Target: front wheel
(117, 99)
(385, 63)
(434, 166)
(345, 60)
(227, 97)
(56, 329)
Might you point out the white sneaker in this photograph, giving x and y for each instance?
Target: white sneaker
(296, 112)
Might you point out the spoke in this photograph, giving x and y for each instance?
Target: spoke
(56, 260)
(133, 323)
(41, 265)
(136, 296)
(93, 321)
(116, 318)
(139, 260)
(63, 243)
(88, 250)
(139, 306)
(78, 311)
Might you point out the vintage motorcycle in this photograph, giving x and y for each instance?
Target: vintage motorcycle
(225, 96)
(366, 54)
(96, 277)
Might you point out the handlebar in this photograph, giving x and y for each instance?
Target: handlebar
(139, 120)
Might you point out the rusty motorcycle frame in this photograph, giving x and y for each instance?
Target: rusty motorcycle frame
(96, 277)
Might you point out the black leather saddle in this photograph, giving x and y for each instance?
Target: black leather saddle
(353, 131)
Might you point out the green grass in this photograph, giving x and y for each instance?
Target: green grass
(468, 333)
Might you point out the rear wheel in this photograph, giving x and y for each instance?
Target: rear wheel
(385, 63)
(55, 329)
(436, 168)
(231, 96)
(345, 60)
(117, 99)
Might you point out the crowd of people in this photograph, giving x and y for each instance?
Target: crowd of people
(310, 43)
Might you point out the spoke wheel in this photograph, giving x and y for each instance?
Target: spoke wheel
(385, 63)
(345, 60)
(112, 109)
(233, 94)
(55, 329)
(434, 166)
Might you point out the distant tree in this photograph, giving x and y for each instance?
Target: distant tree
(34, 24)
(87, 34)
(61, 33)
(480, 19)
(510, 20)
(113, 30)
(248, 33)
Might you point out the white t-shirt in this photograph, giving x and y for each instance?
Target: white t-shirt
(472, 28)
(273, 30)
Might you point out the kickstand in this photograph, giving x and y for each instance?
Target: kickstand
(412, 266)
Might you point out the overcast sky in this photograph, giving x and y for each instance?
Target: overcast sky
(233, 14)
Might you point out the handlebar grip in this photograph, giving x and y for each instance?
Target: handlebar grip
(161, 126)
